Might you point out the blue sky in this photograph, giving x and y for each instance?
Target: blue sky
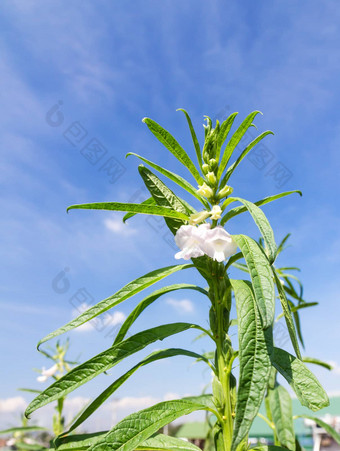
(109, 64)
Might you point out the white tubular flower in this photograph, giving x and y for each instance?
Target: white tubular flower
(190, 240)
(196, 218)
(218, 244)
(205, 190)
(45, 374)
(216, 212)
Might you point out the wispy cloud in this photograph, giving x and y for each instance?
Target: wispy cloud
(99, 323)
(118, 227)
(181, 305)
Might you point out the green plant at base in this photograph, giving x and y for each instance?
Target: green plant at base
(255, 304)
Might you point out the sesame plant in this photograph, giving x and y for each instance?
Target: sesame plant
(199, 231)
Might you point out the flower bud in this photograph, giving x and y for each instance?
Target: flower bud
(216, 212)
(205, 191)
(211, 177)
(205, 168)
(212, 164)
(225, 191)
(197, 218)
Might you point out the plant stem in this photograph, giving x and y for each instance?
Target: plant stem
(221, 302)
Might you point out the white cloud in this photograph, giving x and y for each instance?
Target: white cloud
(12, 405)
(182, 305)
(118, 226)
(101, 322)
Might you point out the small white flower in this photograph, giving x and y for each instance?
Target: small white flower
(190, 240)
(45, 374)
(218, 244)
(216, 212)
(205, 191)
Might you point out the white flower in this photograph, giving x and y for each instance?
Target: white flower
(216, 212)
(205, 191)
(45, 374)
(218, 244)
(190, 240)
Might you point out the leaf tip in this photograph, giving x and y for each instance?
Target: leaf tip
(145, 119)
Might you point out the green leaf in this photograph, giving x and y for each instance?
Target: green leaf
(306, 386)
(317, 362)
(232, 168)
(104, 361)
(283, 242)
(238, 210)
(223, 133)
(121, 295)
(282, 415)
(78, 441)
(165, 442)
(194, 137)
(149, 300)
(268, 448)
(234, 141)
(255, 347)
(163, 196)
(155, 356)
(263, 224)
(150, 201)
(133, 208)
(287, 314)
(330, 431)
(172, 145)
(260, 273)
(131, 432)
(22, 429)
(180, 181)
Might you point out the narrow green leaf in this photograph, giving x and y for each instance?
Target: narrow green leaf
(306, 386)
(232, 168)
(172, 145)
(104, 361)
(268, 448)
(265, 228)
(317, 362)
(22, 429)
(163, 196)
(150, 201)
(136, 428)
(146, 209)
(298, 327)
(194, 137)
(234, 141)
(149, 300)
(78, 441)
(287, 314)
(238, 210)
(283, 242)
(180, 181)
(260, 273)
(165, 442)
(282, 415)
(155, 356)
(121, 295)
(224, 132)
(255, 348)
(330, 431)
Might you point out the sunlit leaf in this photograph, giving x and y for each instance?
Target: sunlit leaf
(172, 145)
(306, 386)
(282, 415)
(260, 273)
(255, 347)
(121, 295)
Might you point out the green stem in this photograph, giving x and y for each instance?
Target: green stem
(220, 298)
